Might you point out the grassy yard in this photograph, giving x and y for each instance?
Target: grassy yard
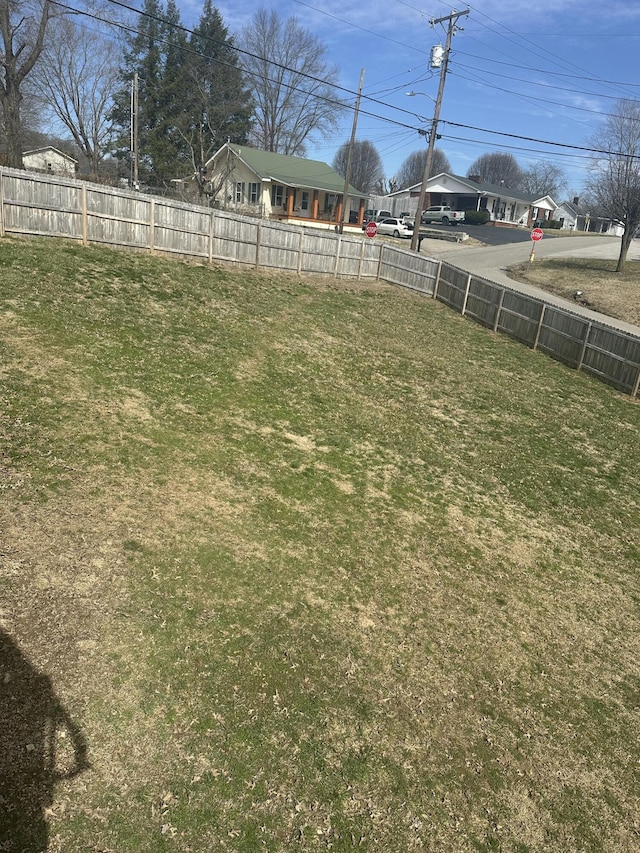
(304, 565)
(601, 288)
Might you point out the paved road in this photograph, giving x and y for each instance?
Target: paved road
(491, 262)
(489, 234)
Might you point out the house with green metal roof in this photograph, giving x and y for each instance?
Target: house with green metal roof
(278, 186)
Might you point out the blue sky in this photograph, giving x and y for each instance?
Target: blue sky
(547, 70)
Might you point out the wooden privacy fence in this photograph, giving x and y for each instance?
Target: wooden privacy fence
(52, 206)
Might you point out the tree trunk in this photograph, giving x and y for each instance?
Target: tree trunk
(13, 128)
(18, 60)
(625, 242)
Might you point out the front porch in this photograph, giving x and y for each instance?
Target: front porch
(318, 208)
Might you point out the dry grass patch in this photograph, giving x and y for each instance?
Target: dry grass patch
(602, 289)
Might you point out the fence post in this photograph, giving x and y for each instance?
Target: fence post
(335, 267)
(437, 281)
(152, 224)
(210, 235)
(361, 260)
(300, 251)
(85, 224)
(587, 335)
(499, 309)
(380, 251)
(636, 385)
(1, 202)
(539, 329)
(466, 294)
(258, 244)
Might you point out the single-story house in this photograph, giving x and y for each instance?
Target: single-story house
(278, 186)
(573, 217)
(50, 159)
(504, 205)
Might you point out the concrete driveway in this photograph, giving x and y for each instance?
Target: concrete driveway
(491, 262)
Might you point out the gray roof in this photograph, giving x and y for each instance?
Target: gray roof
(478, 187)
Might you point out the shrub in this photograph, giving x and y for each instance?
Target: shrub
(552, 224)
(476, 217)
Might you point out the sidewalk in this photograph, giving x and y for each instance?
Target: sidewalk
(491, 263)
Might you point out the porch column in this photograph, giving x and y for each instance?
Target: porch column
(339, 210)
(361, 212)
(290, 201)
(315, 204)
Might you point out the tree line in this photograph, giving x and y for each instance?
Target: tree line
(196, 89)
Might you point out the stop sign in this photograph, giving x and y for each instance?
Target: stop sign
(537, 234)
(371, 230)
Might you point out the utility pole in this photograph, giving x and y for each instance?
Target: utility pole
(134, 131)
(347, 176)
(451, 29)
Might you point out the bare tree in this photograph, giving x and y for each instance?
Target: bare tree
(292, 85)
(76, 78)
(614, 185)
(411, 171)
(543, 178)
(22, 27)
(497, 168)
(366, 165)
(384, 186)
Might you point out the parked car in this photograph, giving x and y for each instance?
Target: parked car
(443, 214)
(395, 227)
(376, 215)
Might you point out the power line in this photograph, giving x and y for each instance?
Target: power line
(543, 141)
(358, 27)
(540, 84)
(386, 119)
(537, 48)
(556, 73)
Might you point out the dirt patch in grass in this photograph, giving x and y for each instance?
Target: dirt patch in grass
(592, 283)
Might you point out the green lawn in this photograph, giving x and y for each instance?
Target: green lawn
(311, 565)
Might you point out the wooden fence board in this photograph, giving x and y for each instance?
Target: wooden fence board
(452, 287)
(483, 301)
(319, 252)
(520, 317)
(399, 266)
(562, 336)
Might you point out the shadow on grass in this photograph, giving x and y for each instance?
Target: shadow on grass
(39, 746)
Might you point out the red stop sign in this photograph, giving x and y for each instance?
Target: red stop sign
(371, 229)
(537, 234)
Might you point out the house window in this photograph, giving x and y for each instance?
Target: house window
(329, 201)
(49, 167)
(254, 193)
(304, 204)
(240, 191)
(277, 195)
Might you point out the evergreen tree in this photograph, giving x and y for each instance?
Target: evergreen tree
(144, 58)
(191, 94)
(219, 104)
(169, 101)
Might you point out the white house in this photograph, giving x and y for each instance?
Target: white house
(278, 186)
(49, 159)
(573, 217)
(504, 205)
